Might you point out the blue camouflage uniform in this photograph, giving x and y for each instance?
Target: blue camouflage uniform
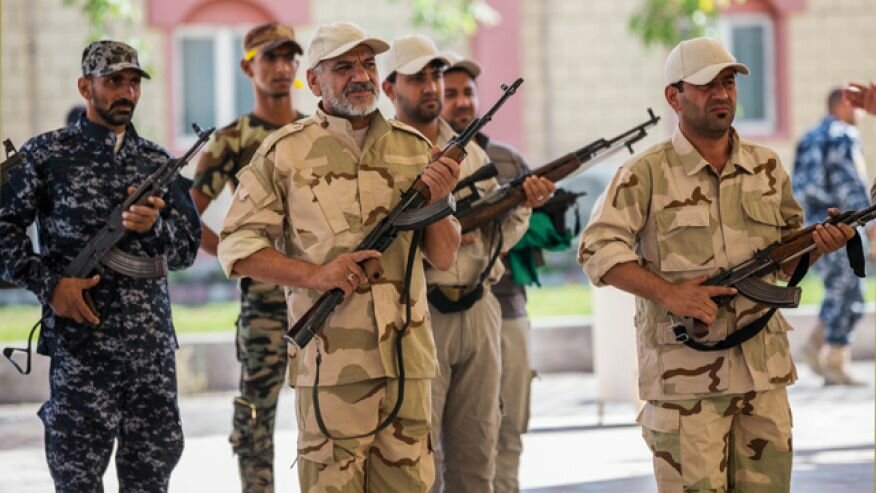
(825, 175)
(121, 382)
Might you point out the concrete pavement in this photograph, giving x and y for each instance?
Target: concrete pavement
(567, 449)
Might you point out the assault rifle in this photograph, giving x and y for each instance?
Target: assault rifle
(478, 211)
(13, 160)
(746, 278)
(397, 220)
(101, 251)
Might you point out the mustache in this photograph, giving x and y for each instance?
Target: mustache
(720, 103)
(360, 86)
(122, 102)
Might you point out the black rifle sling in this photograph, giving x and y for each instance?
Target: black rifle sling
(399, 358)
(748, 331)
(444, 304)
(855, 254)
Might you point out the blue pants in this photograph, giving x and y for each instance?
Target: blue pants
(98, 397)
(843, 300)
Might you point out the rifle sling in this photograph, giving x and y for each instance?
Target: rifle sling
(399, 358)
(855, 254)
(748, 331)
(443, 304)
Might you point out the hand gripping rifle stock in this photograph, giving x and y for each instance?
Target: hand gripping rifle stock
(746, 277)
(501, 200)
(382, 236)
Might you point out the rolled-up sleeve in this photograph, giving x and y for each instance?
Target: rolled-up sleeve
(619, 215)
(255, 219)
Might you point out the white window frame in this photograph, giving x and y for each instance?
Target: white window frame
(769, 125)
(223, 75)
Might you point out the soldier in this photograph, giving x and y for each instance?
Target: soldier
(827, 173)
(119, 382)
(465, 314)
(684, 209)
(461, 103)
(315, 188)
(271, 62)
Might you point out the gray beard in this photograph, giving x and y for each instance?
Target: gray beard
(341, 106)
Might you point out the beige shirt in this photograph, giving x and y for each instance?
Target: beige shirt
(311, 191)
(472, 259)
(668, 210)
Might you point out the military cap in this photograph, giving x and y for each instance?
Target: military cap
(698, 61)
(459, 62)
(266, 37)
(409, 54)
(106, 57)
(335, 39)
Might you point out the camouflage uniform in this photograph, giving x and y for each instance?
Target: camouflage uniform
(290, 195)
(122, 382)
(465, 395)
(263, 320)
(826, 175)
(517, 374)
(669, 211)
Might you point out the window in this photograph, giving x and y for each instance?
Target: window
(211, 88)
(750, 38)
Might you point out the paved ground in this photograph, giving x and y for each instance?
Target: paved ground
(567, 450)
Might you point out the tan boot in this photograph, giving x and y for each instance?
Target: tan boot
(811, 352)
(834, 364)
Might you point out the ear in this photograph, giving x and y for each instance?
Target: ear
(246, 66)
(313, 83)
(84, 86)
(388, 89)
(671, 94)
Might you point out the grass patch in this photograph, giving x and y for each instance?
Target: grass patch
(549, 301)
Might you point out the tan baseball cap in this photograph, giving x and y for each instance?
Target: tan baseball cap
(335, 39)
(698, 61)
(409, 54)
(459, 62)
(266, 37)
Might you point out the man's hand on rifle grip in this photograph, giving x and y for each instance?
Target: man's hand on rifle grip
(538, 190)
(68, 301)
(343, 272)
(829, 237)
(440, 176)
(141, 218)
(691, 299)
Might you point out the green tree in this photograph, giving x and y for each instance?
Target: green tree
(667, 22)
(448, 19)
(103, 15)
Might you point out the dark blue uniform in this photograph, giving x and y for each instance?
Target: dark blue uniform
(825, 175)
(121, 382)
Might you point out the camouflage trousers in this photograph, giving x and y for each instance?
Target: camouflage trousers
(100, 396)
(262, 353)
(465, 396)
(514, 395)
(396, 459)
(843, 301)
(735, 443)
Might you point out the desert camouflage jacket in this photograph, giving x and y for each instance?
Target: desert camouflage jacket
(668, 210)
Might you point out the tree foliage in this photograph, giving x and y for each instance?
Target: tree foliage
(450, 19)
(102, 15)
(667, 22)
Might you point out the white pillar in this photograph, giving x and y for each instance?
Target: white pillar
(614, 345)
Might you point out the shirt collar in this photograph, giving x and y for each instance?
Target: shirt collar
(100, 133)
(344, 129)
(693, 161)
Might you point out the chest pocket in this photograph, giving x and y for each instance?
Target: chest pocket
(684, 239)
(765, 222)
(328, 191)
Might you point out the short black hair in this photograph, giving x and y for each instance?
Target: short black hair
(678, 85)
(392, 77)
(834, 98)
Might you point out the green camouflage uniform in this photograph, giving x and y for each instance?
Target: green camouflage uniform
(312, 191)
(261, 349)
(669, 211)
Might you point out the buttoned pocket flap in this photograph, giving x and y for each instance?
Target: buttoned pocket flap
(251, 187)
(763, 212)
(686, 217)
(659, 419)
(330, 206)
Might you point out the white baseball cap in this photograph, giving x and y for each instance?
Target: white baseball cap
(458, 61)
(335, 39)
(409, 54)
(698, 61)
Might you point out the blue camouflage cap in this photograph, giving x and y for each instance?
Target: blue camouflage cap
(107, 57)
